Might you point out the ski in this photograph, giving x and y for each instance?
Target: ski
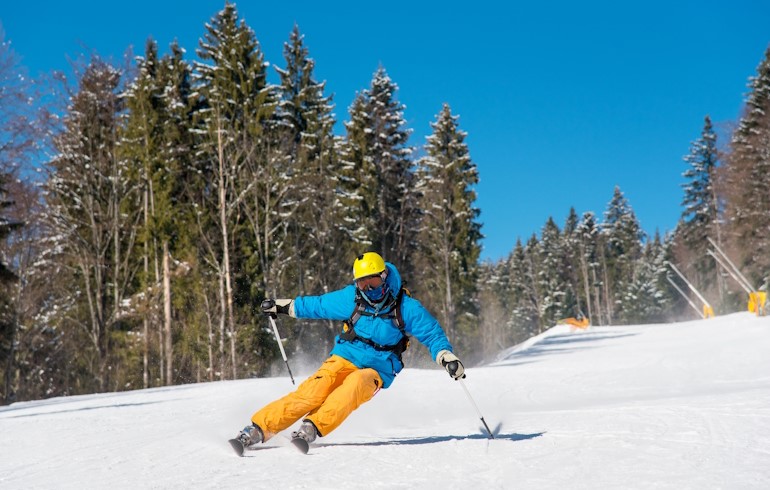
(237, 446)
(301, 445)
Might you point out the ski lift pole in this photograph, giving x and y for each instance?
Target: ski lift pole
(692, 288)
(478, 412)
(280, 345)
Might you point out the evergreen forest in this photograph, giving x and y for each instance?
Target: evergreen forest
(175, 195)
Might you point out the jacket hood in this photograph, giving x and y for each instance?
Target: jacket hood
(394, 278)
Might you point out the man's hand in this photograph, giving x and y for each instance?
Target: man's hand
(273, 307)
(451, 363)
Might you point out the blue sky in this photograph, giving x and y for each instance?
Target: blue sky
(562, 100)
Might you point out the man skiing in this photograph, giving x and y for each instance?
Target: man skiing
(366, 356)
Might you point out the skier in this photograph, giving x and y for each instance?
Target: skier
(366, 356)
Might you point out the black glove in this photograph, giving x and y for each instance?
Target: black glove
(451, 363)
(273, 307)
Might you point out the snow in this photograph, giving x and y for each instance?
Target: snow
(683, 405)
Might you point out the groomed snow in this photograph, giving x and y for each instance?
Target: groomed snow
(683, 405)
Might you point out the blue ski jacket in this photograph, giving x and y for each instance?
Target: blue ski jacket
(340, 304)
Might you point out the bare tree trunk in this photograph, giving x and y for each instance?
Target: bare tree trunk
(169, 346)
(228, 305)
(535, 295)
(210, 326)
(450, 310)
(10, 368)
(164, 360)
(222, 320)
(146, 299)
(586, 287)
(597, 296)
(607, 295)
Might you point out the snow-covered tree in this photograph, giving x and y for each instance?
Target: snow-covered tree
(87, 193)
(589, 262)
(16, 135)
(646, 299)
(379, 174)
(246, 168)
(8, 323)
(306, 114)
(747, 188)
(622, 248)
(702, 209)
(450, 231)
(551, 279)
(574, 301)
(157, 148)
(524, 300)
(7, 225)
(320, 263)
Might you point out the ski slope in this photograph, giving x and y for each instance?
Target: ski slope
(679, 406)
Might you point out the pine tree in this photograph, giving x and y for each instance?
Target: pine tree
(747, 206)
(157, 147)
(320, 262)
(246, 167)
(524, 320)
(590, 250)
(450, 231)
(380, 174)
(306, 113)
(16, 136)
(87, 193)
(701, 215)
(181, 183)
(645, 298)
(7, 226)
(623, 247)
(358, 180)
(8, 322)
(551, 279)
(140, 149)
(574, 302)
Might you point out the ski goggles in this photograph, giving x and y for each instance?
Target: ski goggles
(369, 283)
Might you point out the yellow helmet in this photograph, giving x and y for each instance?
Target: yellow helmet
(368, 264)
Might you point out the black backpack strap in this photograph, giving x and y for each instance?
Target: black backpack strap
(398, 318)
(349, 331)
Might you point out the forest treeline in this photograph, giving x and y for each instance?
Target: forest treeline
(176, 194)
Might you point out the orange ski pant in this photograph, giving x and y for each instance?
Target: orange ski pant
(326, 398)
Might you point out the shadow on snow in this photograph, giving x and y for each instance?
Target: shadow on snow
(435, 439)
(558, 344)
(76, 409)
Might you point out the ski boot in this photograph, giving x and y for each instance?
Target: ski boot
(250, 435)
(304, 436)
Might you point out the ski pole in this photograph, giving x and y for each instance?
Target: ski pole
(478, 412)
(280, 345)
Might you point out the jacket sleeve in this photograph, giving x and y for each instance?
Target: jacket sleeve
(336, 305)
(424, 327)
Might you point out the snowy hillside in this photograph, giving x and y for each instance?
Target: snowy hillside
(682, 405)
